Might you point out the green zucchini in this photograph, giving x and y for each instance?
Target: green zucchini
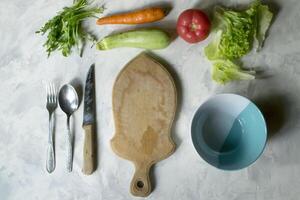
(143, 38)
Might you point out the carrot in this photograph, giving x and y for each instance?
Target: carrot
(136, 17)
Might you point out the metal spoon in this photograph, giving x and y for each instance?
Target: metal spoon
(68, 102)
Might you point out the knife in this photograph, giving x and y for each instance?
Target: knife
(89, 124)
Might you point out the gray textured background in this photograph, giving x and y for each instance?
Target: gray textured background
(25, 68)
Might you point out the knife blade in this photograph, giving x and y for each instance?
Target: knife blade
(89, 98)
(89, 123)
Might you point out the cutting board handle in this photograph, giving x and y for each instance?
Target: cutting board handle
(140, 184)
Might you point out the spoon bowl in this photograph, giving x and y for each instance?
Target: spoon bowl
(68, 99)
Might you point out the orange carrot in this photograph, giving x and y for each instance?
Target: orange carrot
(136, 17)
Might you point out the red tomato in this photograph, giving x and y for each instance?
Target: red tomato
(193, 25)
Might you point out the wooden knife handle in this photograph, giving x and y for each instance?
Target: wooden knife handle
(140, 184)
(89, 150)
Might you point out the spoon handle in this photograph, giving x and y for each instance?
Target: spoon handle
(69, 146)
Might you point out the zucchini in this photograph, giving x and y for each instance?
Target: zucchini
(143, 38)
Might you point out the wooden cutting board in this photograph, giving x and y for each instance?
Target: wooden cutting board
(144, 105)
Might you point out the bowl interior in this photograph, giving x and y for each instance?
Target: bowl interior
(229, 131)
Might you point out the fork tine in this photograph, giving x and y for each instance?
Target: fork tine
(52, 93)
(55, 93)
(48, 93)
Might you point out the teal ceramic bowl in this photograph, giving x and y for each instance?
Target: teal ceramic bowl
(229, 132)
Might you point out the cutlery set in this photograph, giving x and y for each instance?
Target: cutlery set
(69, 102)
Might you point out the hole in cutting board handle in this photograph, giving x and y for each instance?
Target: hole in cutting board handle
(140, 184)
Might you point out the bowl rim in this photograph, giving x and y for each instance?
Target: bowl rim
(263, 120)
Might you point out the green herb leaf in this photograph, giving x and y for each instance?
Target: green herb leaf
(64, 31)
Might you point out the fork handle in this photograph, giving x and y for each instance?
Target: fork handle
(50, 162)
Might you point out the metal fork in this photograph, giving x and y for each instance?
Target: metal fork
(51, 105)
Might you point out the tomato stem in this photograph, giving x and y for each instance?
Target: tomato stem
(194, 27)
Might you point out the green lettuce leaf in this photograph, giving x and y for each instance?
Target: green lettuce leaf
(264, 18)
(212, 50)
(238, 30)
(235, 34)
(225, 71)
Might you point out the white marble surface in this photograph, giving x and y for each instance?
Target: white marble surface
(25, 68)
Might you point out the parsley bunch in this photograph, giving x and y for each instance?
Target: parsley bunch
(65, 29)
